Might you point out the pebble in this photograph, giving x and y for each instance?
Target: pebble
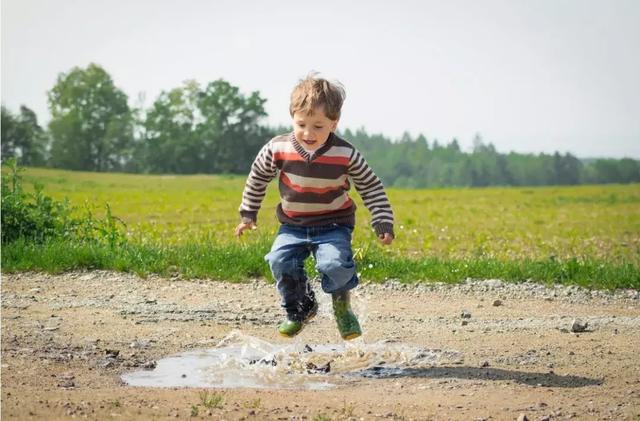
(149, 365)
(578, 326)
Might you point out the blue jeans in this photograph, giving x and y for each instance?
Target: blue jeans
(331, 249)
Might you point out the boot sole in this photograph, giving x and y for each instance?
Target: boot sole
(350, 336)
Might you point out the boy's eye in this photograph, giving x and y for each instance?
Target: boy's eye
(319, 128)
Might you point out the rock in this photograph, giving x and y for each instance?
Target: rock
(139, 344)
(522, 417)
(578, 326)
(484, 364)
(314, 369)
(66, 381)
(497, 303)
(112, 353)
(464, 323)
(465, 314)
(149, 365)
(66, 384)
(492, 283)
(107, 363)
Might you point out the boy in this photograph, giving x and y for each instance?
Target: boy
(315, 169)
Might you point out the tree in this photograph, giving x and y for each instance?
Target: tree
(566, 168)
(210, 130)
(91, 125)
(454, 145)
(23, 138)
(170, 144)
(230, 128)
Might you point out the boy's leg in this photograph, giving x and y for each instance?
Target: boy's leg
(286, 260)
(334, 259)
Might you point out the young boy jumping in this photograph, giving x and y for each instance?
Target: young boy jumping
(316, 168)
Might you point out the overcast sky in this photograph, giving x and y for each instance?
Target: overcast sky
(528, 75)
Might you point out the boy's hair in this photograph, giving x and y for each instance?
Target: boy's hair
(313, 92)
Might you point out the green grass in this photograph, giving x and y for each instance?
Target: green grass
(586, 235)
(240, 263)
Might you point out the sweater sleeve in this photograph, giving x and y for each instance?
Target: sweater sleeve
(372, 192)
(263, 170)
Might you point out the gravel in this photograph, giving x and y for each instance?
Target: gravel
(132, 297)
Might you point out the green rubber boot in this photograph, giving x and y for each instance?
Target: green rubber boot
(290, 328)
(347, 321)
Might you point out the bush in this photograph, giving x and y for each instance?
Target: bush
(37, 218)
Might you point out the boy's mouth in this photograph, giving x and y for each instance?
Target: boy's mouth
(309, 142)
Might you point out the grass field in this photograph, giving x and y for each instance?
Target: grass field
(596, 226)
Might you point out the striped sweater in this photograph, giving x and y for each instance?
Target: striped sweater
(314, 188)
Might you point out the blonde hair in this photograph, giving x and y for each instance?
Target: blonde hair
(313, 92)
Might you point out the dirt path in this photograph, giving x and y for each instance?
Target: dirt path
(66, 340)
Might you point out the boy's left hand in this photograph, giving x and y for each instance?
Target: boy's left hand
(385, 238)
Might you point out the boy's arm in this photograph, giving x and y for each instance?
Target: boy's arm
(263, 170)
(372, 192)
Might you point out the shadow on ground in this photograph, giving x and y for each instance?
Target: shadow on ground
(475, 373)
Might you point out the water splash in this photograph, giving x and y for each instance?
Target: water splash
(243, 361)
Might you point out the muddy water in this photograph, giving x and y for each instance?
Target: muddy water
(243, 361)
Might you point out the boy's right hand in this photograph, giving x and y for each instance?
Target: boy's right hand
(244, 226)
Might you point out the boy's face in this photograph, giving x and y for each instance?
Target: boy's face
(313, 130)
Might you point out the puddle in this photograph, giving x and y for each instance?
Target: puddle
(243, 361)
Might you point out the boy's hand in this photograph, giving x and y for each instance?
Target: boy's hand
(244, 226)
(385, 238)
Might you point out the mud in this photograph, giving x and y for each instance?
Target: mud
(69, 340)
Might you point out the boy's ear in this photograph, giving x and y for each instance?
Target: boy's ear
(334, 126)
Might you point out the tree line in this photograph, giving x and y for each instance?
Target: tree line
(215, 129)
(415, 163)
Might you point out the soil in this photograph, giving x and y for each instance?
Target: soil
(67, 339)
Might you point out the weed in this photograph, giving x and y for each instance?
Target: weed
(399, 416)
(116, 403)
(321, 417)
(347, 410)
(194, 410)
(211, 400)
(38, 218)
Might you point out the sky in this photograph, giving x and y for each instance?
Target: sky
(528, 75)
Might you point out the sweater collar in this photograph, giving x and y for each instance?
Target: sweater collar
(304, 153)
